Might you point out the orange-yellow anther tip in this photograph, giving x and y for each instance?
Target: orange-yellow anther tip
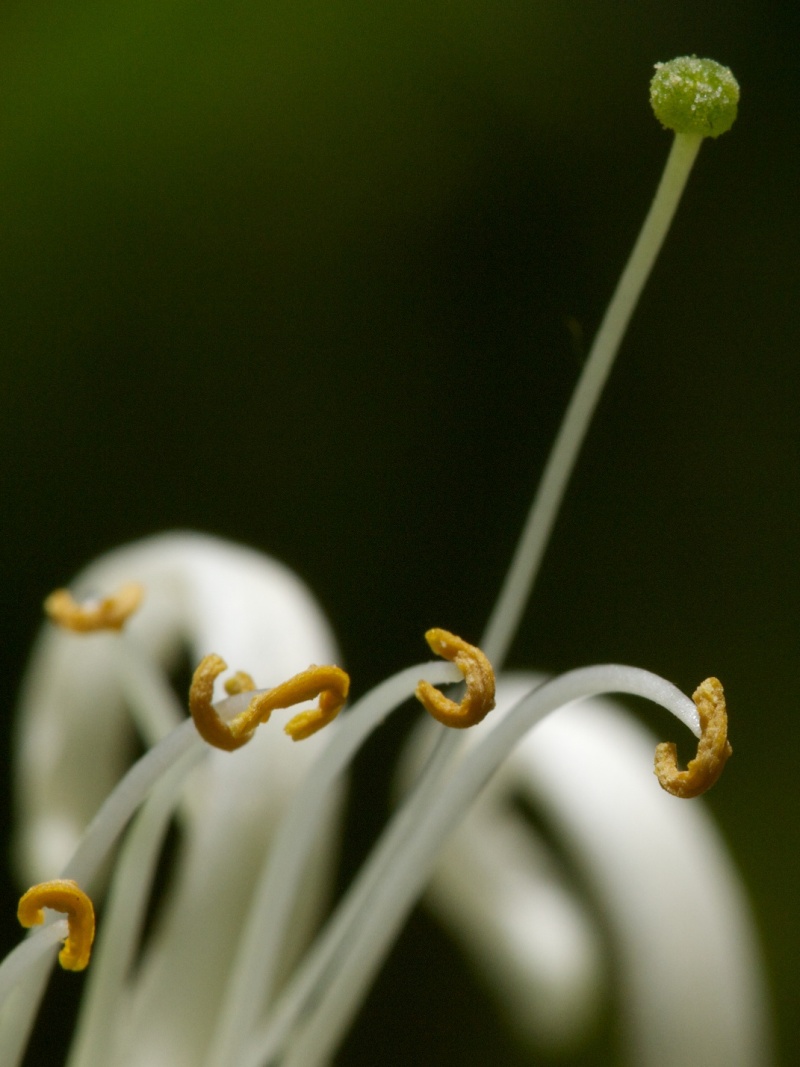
(214, 730)
(109, 613)
(241, 682)
(478, 700)
(713, 748)
(65, 896)
(331, 684)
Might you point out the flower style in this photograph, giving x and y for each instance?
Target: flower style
(238, 968)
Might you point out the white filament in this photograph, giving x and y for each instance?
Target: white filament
(342, 972)
(253, 975)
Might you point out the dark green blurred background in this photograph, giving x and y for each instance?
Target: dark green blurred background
(319, 276)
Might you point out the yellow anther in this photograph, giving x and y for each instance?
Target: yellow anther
(110, 613)
(241, 682)
(65, 896)
(478, 674)
(330, 684)
(713, 748)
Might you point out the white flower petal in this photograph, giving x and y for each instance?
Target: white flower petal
(534, 945)
(206, 595)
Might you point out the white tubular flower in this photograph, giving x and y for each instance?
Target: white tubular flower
(75, 735)
(222, 980)
(669, 897)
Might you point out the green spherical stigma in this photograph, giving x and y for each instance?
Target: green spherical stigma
(697, 96)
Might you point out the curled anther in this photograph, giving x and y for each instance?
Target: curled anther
(241, 682)
(713, 749)
(331, 684)
(478, 700)
(65, 896)
(108, 613)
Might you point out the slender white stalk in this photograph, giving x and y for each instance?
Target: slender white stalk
(340, 989)
(300, 992)
(92, 851)
(252, 979)
(123, 918)
(150, 698)
(113, 816)
(20, 960)
(517, 586)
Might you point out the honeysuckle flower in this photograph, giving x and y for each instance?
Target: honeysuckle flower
(238, 969)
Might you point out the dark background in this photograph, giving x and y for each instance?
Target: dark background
(319, 275)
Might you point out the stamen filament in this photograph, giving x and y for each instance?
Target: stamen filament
(116, 811)
(254, 971)
(307, 977)
(334, 977)
(27, 953)
(86, 861)
(123, 917)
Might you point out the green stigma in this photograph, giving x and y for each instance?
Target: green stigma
(694, 96)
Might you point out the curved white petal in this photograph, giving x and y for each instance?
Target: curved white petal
(510, 905)
(207, 595)
(689, 973)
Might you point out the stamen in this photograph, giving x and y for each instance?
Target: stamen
(331, 684)
(110, 613)
(713, 748)
(65, 896)
(478, 700)
(241, 682)
(321, 997)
